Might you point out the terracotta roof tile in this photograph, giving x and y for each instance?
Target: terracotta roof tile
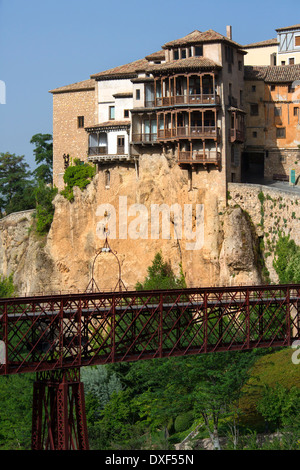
(159, 55)
(78, 86)
(268, 42)
(189, 63)
(295, 26)
(198, 37)
(273, 73)
(110, 124)
(127, 70)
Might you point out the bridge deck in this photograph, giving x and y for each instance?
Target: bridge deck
(54, 332)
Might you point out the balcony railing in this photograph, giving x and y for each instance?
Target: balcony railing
(236, 135)
(188, 99)
(144, 137)
(199, 158)
(97, 151)
(189, 132)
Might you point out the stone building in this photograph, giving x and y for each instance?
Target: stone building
(272, 147)
(184, 101)
(282, 50)
(194, 102)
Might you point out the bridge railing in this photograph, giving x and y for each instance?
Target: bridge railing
(52, 332)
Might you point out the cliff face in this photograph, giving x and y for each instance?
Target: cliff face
(123, 201)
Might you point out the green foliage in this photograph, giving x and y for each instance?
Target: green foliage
(287, 260)
(184, 421)
(6, 286)
(16, 186)
(15, 412)
(79, 175)
(43, 156)
(161, 276)
(278, 404)
(100, 385)
(44, 195)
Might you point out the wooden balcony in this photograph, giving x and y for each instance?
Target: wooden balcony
(144, 138)
(98, 151)
(101, 155)
(204, 132)
(199, 158)
(236, 135)
(188, 99)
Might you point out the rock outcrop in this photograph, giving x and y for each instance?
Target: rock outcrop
(224, 253)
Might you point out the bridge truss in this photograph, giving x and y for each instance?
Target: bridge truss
(55, 336)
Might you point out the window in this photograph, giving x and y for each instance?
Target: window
(291, 61)
(120, 144)
(283, 62)
(107, 179)
(175, 54)
(280, 132)
(254, 109)
(229, 54)
(277, 111)
(272, 87)
(111, 113)
(138, 94)
(297, 41)
(198, 51)
(126, 113)
(183, 53)
(80, 121)
(253, 88)
(254, 134)
(296, 110)
(240, 65)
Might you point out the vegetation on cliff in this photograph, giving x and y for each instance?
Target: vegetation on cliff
(79, 175)
(287, 260)
(22, 189)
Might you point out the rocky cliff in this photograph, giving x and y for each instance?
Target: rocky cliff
(123, 201)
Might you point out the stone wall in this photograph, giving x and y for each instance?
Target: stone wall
(272, 211)
(68, 138)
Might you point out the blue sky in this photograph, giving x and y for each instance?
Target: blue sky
(44, 45)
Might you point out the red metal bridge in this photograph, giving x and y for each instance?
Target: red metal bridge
(56, 335)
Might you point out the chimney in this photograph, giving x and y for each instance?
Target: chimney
(229, 32)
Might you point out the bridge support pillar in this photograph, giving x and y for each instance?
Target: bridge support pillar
(58, 411)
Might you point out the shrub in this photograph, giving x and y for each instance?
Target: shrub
(79, 175)
(184, 421)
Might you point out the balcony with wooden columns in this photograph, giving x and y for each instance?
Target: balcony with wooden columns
(204, 156)
(193, 89)
(187, 124)
(237, 130)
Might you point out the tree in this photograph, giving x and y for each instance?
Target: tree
(43, 157)
(15, 183)
(287, 260)
(44, 195)
(161, 276)
(219, 378)
(6, 286)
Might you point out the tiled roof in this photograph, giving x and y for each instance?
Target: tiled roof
(182, 64)
(159, 55)
(124, 94)
(123, 71)
(78, 86)
(197, 36)
(109, 124)
(255, 72)
(273, 73)
(296, 26)
(268, 42)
